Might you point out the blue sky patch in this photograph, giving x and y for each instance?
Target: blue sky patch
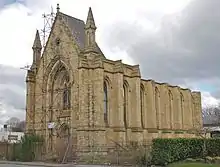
(8, 2)
(206, 87)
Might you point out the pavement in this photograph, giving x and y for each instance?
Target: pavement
(12, 165)
(39, 164)
(33, 164)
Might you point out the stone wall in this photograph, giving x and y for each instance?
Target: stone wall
(138, 110)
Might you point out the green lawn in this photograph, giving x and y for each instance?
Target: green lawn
(192, 165)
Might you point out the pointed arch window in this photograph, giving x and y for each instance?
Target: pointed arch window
(125, 102)
(105, 102)
(142, 105)
(157, 95)
(181, 106)
(181, 101)
(170, 107)
(193, 111)
(66, 97)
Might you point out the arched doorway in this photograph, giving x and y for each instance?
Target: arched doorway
(63, 142)
(59, 101)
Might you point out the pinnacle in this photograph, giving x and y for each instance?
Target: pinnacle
(90, 22)
(37, 42)
(58, 8)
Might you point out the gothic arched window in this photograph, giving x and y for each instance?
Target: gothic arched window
(170, 106)
(66, 97)
(157, 95)
(142, 105)
(181, 101)
(181, 105)
(125, 102)
(105, 102)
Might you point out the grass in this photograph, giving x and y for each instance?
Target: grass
(193, 165)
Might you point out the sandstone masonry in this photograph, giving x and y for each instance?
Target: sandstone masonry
(94, 101)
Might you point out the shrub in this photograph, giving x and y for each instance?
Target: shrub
(25, 150)
(213, 147)
(166, 151)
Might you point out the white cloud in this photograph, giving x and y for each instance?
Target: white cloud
(6, 112)
(208, 100)
(16, 31)
(19, 22)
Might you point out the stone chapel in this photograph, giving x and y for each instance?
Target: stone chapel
(74, 93)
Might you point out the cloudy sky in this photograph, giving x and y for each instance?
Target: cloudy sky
(174, 41)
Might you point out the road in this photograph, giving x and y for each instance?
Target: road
(13, 165)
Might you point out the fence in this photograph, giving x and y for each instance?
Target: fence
(4, 150)
(13, 152)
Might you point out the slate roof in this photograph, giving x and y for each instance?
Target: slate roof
(77, 28)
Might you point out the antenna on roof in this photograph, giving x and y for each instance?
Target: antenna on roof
(44, 33)
(51, 9)
(48, 22)
(58, 8)
(27, 67)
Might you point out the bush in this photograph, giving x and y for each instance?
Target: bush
(166, 151)
(213, 147)
(25, 151)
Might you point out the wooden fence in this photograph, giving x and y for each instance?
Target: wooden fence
(11, 151)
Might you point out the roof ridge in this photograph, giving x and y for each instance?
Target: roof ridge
(72, 17)
(77, 28)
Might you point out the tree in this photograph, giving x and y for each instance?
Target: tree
(15, 125)
(21, 126)
(211, 115)
(13, 122)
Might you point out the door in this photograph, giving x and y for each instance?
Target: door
(63, 142)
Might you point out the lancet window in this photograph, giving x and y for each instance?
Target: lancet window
(142, 98)
(170, 107)
(106, 98)
(125, 102)
(157, 98)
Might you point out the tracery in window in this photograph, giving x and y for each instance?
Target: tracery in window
(59, 91)
(66, 97)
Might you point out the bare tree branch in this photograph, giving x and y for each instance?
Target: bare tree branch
(15, 125)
